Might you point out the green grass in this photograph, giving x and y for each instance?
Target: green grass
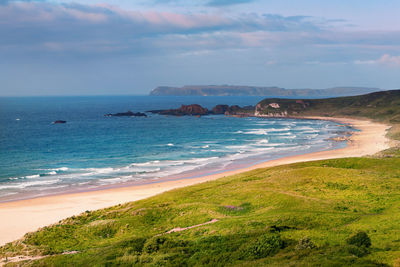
(264, 218)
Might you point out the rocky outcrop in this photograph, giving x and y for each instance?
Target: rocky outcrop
(59, 121)
(197, 110)
(220, 109)
(236, 111)
(184, 110)
(270, 110)
(126, 114)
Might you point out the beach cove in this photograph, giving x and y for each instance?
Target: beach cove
(28, 215)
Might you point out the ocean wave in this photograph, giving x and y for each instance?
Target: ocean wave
(32, 176)
(116, 180)
(264, 131)
(59, 169)
(23, 185)
(35, 176)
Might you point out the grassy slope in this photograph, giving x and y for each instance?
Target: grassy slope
(382, 106)
(326, 201)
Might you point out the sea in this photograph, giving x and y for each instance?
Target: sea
(92, 151)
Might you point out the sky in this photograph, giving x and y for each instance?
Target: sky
(128, 47)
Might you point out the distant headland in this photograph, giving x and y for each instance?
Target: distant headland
(235, 90)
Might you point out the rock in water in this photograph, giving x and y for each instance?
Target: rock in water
(59, 121)
(126, 114)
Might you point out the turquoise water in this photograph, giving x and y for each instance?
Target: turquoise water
(91, 151)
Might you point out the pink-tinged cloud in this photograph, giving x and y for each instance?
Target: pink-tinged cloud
(33, 12)
(386, 59)
(169, 19)
(390, 60)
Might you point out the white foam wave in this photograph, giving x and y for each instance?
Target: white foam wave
(265, 131)
(99, 170)
(32, 176)
(145, 163)
(28, 184)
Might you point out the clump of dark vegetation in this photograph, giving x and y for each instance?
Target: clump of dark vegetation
(280, 228)
(358, 244)
(264, 246)
(360, 239)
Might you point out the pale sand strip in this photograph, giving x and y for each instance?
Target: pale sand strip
(20, 217)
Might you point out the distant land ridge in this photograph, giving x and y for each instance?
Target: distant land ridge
(235, 90)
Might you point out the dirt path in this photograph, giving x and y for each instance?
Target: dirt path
(20, 258)
(178, 229)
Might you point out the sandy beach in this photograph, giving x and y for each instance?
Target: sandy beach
(20, 217)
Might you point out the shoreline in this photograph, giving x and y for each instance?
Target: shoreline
(30, 214)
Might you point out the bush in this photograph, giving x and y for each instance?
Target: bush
(360, 239)
(264, 246)
(305, 243)
(132, 245)
(154, 244)
(167, 245)
(357, 251)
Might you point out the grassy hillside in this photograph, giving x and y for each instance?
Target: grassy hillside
(296, 215)
(382, 106)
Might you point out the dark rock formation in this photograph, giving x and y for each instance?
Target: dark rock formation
(126, 114)
(220, 109)
(191, 110)
(236, 111)
(59, 121)
(197, 110)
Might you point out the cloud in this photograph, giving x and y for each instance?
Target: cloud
(390, 60)
(386, 59)
(39, 29)
(30, 27)
(227, 2)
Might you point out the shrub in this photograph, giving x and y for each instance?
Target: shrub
(360, 239)
(132, 245)
(154, 244)
(357, 251)
(264, 246)
(305, 243)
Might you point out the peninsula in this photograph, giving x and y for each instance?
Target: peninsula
(236, 90)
